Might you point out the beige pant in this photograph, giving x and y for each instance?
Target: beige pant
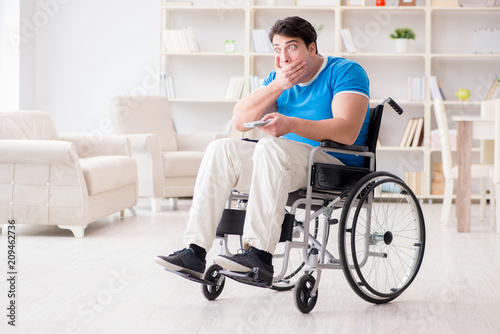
(267, 171)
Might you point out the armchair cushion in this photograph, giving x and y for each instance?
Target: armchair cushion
(181, 163)
(104, 173)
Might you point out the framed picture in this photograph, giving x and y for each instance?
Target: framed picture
(356, 2)
(407, 2)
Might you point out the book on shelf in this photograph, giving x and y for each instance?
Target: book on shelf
(235, 88)
(418, 137)
(492, 93)
(348, 41)
(406, 133)
(413, 133)
(189, 34)
(436, 91)
(415, 180)
(260, 41)
(255, 82)
(416, 88)
(163, 84)
(179, 40)
(167, 86)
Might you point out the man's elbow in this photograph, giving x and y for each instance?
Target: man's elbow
(237, 124)
(351, 139)
(347, 139)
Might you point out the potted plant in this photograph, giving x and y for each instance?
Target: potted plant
(402, 37)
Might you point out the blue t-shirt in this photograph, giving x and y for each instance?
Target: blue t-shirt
(313, 100)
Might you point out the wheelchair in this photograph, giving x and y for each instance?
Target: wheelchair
(381, 230)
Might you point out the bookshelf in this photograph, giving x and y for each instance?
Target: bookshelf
(201, 78)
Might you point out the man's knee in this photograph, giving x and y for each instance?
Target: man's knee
(220, 145)
(272, 146)
(269, 143)
(230, 149)
(221, 142)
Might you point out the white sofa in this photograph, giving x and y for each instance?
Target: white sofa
(68, 180)
(168, 162)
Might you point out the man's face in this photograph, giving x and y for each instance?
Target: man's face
(290, 49)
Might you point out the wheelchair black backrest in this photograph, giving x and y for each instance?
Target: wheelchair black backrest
(374, 126)
(375, 119)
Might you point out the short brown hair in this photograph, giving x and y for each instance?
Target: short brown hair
(294, 26)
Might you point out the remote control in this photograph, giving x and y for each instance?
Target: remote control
(256, 124)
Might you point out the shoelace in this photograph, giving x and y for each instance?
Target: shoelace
(180, 252)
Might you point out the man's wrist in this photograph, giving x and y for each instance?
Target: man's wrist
(275, 88)
(293, 124)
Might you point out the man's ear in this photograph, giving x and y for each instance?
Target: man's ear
(312, 48)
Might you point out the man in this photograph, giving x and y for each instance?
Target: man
(308, 98)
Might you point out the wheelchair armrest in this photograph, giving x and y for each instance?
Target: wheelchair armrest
(333, 144)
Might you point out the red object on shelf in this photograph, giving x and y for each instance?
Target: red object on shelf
(380, 3)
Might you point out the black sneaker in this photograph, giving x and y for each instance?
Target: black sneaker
(245, 262)
(184, 261)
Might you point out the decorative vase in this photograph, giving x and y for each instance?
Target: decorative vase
(272, 2)
(402, 45)
(380, 3)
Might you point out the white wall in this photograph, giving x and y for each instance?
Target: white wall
(9, 55)
(85, 52)
(27, 55)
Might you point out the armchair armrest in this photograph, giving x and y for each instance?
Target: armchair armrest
(38, 152)
(144, 142)
(146, 149)
(89, 145)
(196, 141)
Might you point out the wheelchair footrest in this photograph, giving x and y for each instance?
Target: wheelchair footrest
(190, 277)
(250, 278)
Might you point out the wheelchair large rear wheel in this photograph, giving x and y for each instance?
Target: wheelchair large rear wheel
(381, 237)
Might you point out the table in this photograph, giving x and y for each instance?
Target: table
(468, 128)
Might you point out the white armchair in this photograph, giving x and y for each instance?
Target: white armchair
(66, 180)
(168, 162)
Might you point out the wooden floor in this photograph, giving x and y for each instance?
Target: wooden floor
(107, 283)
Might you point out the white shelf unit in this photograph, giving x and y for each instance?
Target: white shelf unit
(444, 47)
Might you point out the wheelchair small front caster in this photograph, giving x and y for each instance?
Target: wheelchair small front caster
(212, 275)
(303, 288)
